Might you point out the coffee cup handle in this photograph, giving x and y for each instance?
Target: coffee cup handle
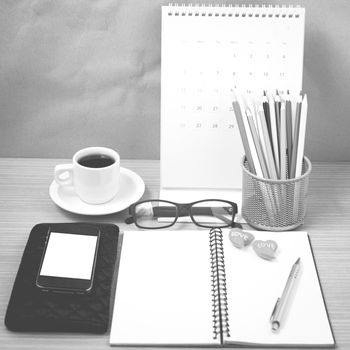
(64, 174)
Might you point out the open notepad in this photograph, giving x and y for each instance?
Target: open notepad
(172, 289)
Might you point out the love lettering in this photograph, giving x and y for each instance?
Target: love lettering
(268, 244)
(265, 249)
(239, 238)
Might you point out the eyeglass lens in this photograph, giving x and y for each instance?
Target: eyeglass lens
(155, 214)
(212, 213)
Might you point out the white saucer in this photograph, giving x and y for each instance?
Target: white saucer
(130, 191)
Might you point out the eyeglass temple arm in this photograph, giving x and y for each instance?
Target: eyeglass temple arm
(163, 211)
(159, 212)
(183, 211)
(198, 211)
(223, 218)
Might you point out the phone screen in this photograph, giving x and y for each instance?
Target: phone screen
(69, 261)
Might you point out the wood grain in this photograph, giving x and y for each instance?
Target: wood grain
(24, 202)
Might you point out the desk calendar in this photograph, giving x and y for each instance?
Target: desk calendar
(207, 53)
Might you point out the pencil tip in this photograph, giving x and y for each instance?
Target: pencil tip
(304, 101)
(298, 261)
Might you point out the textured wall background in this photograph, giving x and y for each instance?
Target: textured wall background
(80, 73)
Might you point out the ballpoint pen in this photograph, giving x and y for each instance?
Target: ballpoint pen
(279, 309)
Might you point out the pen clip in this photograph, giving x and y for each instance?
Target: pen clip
(274, 309)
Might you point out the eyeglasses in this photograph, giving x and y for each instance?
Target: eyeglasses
(155, 214)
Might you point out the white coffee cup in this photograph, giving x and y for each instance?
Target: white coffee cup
(94, 174)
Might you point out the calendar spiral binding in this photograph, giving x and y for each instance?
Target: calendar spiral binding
(257, 11)
(218, 285)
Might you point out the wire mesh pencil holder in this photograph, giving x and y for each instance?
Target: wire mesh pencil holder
(275, 205)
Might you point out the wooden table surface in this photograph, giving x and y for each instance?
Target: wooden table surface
(25, 201)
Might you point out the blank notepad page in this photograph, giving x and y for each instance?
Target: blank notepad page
(163, 291)
(254, 284)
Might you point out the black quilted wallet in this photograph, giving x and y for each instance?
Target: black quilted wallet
(30, 309)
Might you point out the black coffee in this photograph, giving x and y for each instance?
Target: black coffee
(96, 161)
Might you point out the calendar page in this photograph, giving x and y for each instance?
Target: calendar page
(207, 53)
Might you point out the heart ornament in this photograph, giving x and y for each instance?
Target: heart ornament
(265, 249)
(240, 238)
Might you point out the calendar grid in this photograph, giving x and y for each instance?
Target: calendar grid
(207, 53)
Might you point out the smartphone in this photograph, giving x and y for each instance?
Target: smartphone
(69, 260)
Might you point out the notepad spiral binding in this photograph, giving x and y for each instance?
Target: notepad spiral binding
(218, 285)
(270, 11)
